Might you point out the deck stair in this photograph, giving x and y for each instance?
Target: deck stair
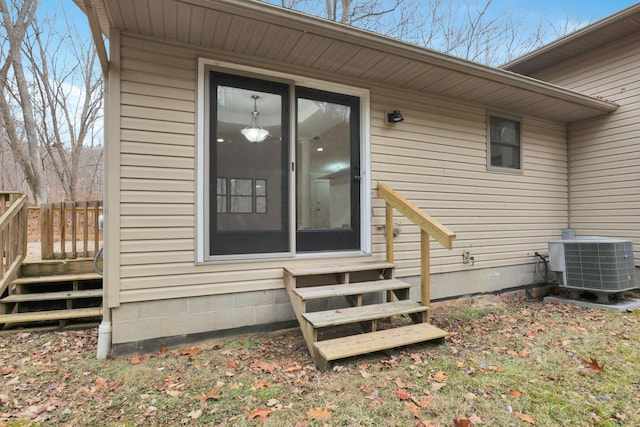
(341, 307)
(52, 292)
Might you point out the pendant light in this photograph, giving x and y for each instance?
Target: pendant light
(254, 132)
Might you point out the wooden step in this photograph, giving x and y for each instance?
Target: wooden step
(310, 270)
(328, 291)
(355, 345)
(53, 296)
(53, 267)
(343, 316)
(57, 278)
(44, 316)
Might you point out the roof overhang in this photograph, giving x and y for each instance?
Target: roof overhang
(278, 37)
(601, 33)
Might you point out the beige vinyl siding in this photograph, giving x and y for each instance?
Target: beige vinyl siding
(605, 153)
(157, 196)
(436, 158)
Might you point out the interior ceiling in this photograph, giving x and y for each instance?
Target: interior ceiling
(253, 32)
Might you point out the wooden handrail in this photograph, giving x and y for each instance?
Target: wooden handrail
(428, 227)
(13, 236)
(418, 217)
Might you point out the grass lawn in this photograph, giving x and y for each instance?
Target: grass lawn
(506, 363)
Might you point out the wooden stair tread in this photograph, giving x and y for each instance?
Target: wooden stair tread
(327, 291)
(310, 270)
(41, 316)
(343, 316)
(57, 278)
(370, 342)
(52, 296)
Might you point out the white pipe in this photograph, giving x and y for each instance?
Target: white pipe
(104, 338)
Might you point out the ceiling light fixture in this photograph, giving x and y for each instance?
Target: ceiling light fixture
(254, 132)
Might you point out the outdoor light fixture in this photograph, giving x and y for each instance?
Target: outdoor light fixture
(395, 117)
(254, 132)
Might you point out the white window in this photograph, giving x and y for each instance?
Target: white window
(504, 143)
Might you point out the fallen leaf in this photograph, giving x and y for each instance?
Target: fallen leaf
(525, 417)
(7, 370)
(469, 397)
(516, 394)
(437, 386)
(593, 416)
(593, 365)
(475, 419)
(99, 384)
(195, 414)
(268, 367)
(259, 384)
(163, 349)
(440, 377)
(232, 364)
(413, 408)
(463, 422)
(260, 413)
(150, 411)
(214, 394)
(402, 394)
(318, 413)
(620, 417)
(138, 359)
(189, 351)
(302, 423)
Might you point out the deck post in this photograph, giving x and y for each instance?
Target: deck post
(425, 270)
(388, 228)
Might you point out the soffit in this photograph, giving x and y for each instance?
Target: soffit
(251, 29)
(599, 34)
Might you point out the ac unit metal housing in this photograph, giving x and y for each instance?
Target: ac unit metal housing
(597, 264)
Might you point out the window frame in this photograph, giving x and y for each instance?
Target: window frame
(202, 184)
(513, 118)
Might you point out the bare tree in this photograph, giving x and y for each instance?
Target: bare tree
(19, 127)
(477, 30)
(52, 101)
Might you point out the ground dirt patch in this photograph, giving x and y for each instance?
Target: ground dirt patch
(506, 363)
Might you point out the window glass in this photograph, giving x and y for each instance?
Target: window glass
(504, 141)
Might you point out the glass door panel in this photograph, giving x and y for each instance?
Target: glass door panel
(327, 173)
(249, 211)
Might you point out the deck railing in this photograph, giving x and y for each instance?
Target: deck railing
(70, 230)
(428, 227)
(13, 236)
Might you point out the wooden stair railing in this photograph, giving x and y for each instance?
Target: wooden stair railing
(70, 223)
(13, 236)
(342, 309)
(428, 227)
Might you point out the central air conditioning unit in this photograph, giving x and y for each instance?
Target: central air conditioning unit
(595, 264)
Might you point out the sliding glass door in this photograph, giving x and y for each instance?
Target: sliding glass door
(328, 171)
(249, 185)
(249, 168)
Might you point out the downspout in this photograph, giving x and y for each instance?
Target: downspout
(104, 330)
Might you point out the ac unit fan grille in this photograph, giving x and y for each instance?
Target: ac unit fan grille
(600, 266)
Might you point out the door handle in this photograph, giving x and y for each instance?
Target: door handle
(357, 177)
